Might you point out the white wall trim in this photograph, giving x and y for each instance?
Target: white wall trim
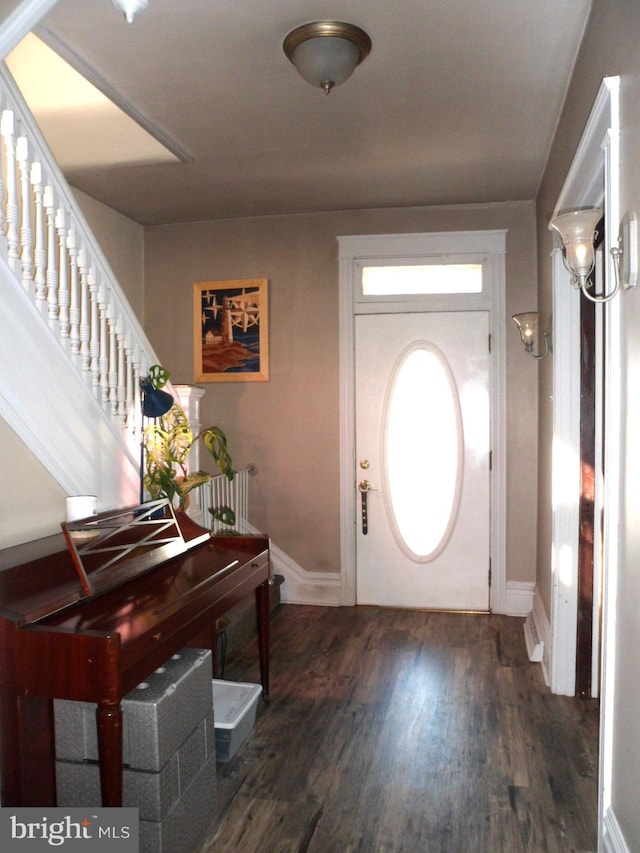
(583, 186)
(613, 839)
(519, 597)
(353, 250)
(21, 21)
(594, 179)
(565, 481)
(301, 586)
(347, 429)
(612, 465)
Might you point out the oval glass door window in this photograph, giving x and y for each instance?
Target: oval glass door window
(423, 451)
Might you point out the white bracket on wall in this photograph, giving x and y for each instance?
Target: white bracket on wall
(628, 243)
(535, 646)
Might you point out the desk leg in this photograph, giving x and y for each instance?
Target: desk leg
(36, 744)
(109, 724)
(263, 613)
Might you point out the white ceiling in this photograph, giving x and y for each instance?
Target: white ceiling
(457, 103)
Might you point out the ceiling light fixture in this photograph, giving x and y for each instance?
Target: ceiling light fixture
(130, 7)
(326, 53)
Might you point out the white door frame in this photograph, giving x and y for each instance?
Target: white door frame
(399, 248)
(594, 179)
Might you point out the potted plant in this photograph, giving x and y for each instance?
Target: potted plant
(167, 442)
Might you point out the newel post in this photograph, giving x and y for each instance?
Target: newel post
(189, 397)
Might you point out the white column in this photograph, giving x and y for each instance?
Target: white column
(189, 397)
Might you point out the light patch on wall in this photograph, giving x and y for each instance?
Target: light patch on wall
(568, 469)
(83, 128)
(566, 567)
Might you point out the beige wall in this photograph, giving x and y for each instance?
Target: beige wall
(122, 242)
(610, 48)
(289, 427)
(34, 502)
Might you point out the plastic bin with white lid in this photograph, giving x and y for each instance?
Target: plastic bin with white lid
(234, 713)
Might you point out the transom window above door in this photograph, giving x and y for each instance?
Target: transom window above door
(421, 279)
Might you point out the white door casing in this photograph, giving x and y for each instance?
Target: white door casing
(592, 180)
(486, 247)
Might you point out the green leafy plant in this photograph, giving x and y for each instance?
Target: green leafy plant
(167, 442)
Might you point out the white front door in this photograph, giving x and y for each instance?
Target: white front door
(423, 460)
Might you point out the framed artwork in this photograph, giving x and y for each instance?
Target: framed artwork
(231, 330)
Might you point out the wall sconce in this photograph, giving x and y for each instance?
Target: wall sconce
(326, 53)
(577, 230)
(528, 326)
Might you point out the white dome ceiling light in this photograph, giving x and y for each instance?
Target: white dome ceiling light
(326, 53)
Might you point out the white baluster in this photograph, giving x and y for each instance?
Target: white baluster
(63, 273)
(122, 378)
(137, 395)
(2, 217)
(128, 391)
(85, 311)
(51, 274)
(138, 372)
(39, 252)
(112, 377)
(11, 203)
(26, 232)
(74, 293)
(104, 350)
(94, 345)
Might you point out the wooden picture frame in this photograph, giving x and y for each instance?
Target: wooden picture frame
(231, 330)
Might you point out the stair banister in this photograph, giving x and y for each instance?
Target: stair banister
(53, 255)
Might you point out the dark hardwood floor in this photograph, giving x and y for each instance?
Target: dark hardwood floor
(393, 730)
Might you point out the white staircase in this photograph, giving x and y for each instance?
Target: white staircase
(71, 349)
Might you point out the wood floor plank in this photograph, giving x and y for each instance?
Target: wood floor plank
(391, 731)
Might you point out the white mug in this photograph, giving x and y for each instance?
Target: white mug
(80, 506)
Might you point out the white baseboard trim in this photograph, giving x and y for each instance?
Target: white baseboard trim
(300, 586)
(542, 628)
(612, 838)
(519, 597)
(325, 588)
